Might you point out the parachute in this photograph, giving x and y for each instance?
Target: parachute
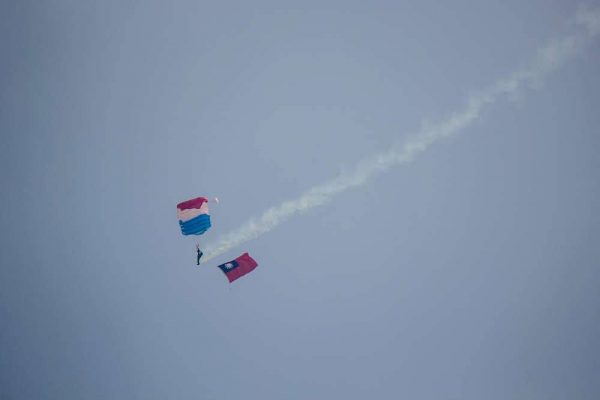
(193, 216)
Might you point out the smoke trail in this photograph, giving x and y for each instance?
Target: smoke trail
(547, 59)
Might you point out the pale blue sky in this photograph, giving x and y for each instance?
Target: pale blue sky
(471, 273)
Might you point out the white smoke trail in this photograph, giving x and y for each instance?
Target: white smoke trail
(546, 60)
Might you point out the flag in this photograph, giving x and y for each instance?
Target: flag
(239, 267)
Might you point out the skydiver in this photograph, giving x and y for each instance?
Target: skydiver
(198, 254)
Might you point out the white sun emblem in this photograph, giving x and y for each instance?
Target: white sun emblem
(229, 265)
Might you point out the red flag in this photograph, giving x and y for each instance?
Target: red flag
(239, 267)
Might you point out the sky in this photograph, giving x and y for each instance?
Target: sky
(420, 233)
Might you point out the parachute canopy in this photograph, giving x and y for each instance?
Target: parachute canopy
(239, 267)
(193, 216)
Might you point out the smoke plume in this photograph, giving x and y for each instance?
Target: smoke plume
(546, 60)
